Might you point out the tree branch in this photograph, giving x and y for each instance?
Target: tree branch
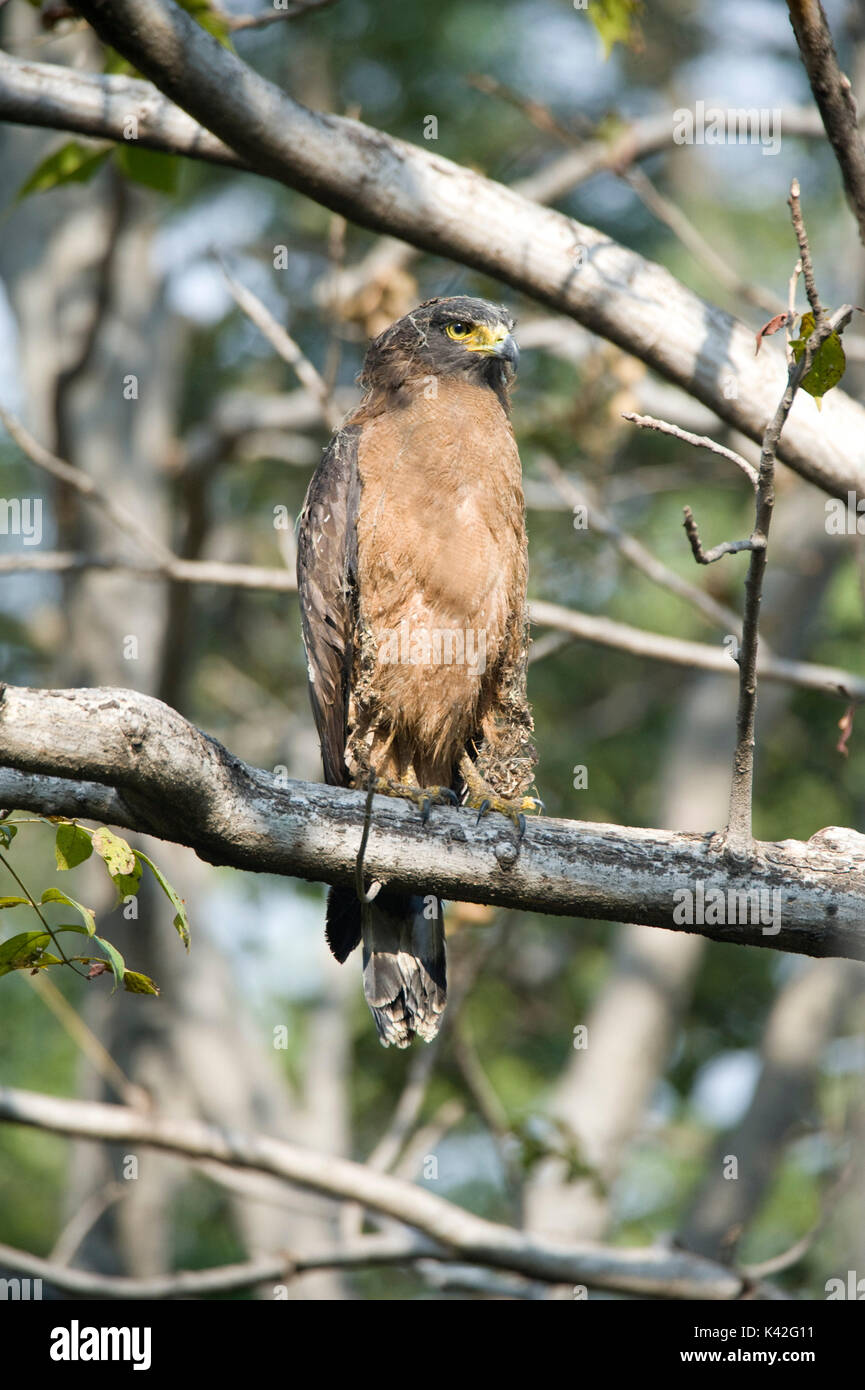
(834, 97)
(131, 760)
(644, 1272)
(434, 204)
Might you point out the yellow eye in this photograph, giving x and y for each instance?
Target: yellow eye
(459, 330)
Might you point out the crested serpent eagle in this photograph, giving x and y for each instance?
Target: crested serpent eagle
(412, 566)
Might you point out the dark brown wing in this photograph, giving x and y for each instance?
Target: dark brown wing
(326, 581)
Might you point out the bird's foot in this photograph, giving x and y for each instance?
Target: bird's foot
(422, 797)
(483, 799)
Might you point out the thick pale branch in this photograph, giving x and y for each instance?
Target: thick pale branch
(439, 206)
(63, 749)
(645, 1272)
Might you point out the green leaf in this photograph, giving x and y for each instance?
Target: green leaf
(210, 19)
(72, 845)
(616, 22)
(72, 163)
(119, 856)
(14, 902)
(127, 885)
(7, 834)
(24, 951)
(138, 984)
(829, 362)
(54, 895)
(181, 921)
(116, 64)
(121, 860)
(150, 167)
(118, 965)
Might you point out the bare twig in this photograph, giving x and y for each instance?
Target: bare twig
(805, 259)
(700, 441)
(834, 97)
(677, 651)
(278, 1268)
(739, 840)
(297, 10)
(708, 557)
(636, 553)
(83, 484)
(693, 240)
(225, 574)
(285, 345)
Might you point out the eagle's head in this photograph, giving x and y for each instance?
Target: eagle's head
(457, 337)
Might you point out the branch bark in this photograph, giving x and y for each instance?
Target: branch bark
(129, 759)
(432, 203)
(834, 97)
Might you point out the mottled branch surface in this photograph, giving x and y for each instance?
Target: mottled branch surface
(128, 759)
(415, 195)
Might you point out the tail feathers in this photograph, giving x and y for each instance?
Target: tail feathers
(404, 972)
(404, 975)
(342, 923)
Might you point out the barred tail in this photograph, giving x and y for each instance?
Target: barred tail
(404, 974)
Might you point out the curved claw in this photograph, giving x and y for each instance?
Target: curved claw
(450, 797)
(521, 824)
(482, 809)
(425, 809)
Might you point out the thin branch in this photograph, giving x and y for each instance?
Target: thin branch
(807, 265)
(636, 553)
(60, 750)
(223, 573)
(700, 441)
(693, 240)
(708, 557)
(364, 1252)
(567, 623)
(698, 656)
(646, 1272)
(165, 563)
(298, 10)
(85, 486)
(739, 838)
(834, 97)
(286, 346)
(86, 1040)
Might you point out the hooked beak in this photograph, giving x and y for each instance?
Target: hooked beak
(508, 351)
(495, 342)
